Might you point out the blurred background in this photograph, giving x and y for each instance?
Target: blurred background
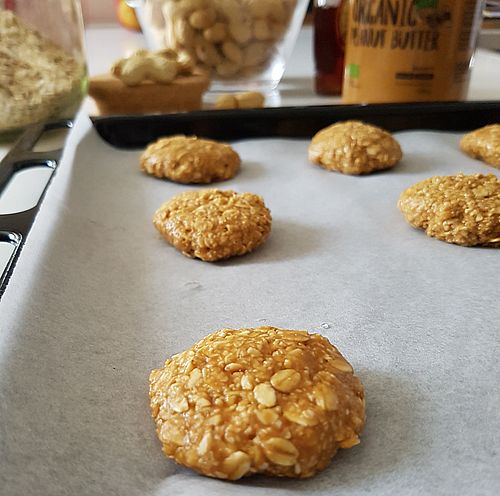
(109, 11)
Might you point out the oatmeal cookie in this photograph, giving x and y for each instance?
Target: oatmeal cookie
(263, 400)
(483, 144)
(190, 160)
(353, 147)
(464, 210)
(212, 224)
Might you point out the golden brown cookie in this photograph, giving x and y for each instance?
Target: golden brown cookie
(190, 160)
(353, 147)
(212, 224)
(263, 400)
(483, 144)
(464, 210)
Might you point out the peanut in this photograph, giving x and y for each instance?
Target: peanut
(261, 30)
(278, 12)
(131, 71)
(207, 53)
(161, 70)
(226, 69)
(255, 53)
(184, 33)
(229, 102)
(250, 99)
(259, 8)
(142, 66)
(240, 31)
(202, 19)
(232, 52)
(216, 33)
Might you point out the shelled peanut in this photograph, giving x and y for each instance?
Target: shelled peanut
(230, 38)
(245, 100)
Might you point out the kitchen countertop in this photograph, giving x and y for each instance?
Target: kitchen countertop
(106, 44)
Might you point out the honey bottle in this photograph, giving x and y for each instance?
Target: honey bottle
(330, 29)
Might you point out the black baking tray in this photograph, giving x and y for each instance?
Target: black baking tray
(14, 228)
(136, 131)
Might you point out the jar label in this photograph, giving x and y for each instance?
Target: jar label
(409, 50)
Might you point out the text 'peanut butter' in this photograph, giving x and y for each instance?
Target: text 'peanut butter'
(409, 50)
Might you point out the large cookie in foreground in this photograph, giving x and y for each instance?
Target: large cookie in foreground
(263, 400)
(212, 224)
(353, 147)
(460, 209)
(483, 144)
(188, 159)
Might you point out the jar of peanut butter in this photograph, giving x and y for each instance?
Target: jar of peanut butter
(409, 50)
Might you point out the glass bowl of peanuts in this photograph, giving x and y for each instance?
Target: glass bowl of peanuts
(242, 44)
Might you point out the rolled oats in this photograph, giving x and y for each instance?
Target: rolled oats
(280, 451)
(285, 380)
(239, 430)
(38, 79)
(265, 394)
(236, 465)
(301, 417)
(267, 416)
(325, 397)
(350, 442)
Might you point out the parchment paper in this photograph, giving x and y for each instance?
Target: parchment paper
(98, 299)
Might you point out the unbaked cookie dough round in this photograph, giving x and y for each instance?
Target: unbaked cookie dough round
(483, 144)
(263, 400)
(353, 147)
(460, 209)
(184, 159)
(212, 224)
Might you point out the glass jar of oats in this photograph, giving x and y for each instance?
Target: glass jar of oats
(42, 64)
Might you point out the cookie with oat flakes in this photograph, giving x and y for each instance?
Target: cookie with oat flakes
(188, 159)
(212, 224)
(353, 147)
(460, 209)
(483, 144)
(261, 400)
